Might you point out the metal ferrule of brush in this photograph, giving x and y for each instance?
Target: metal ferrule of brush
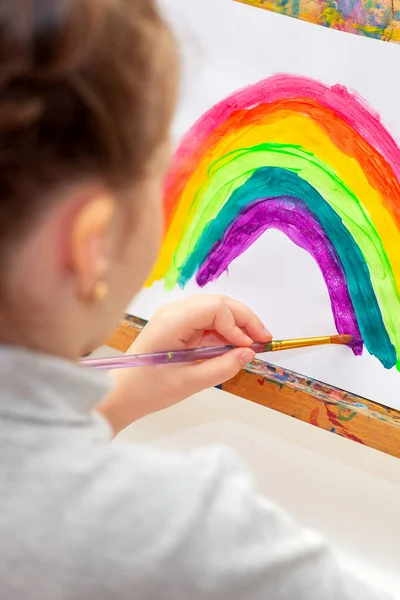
(278, 345)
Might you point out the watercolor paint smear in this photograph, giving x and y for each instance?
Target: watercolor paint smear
(378, 19)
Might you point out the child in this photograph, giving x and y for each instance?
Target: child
(87, 90)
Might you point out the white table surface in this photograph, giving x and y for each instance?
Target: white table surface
(347, 491)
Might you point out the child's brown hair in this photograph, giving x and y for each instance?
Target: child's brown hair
(86, 89)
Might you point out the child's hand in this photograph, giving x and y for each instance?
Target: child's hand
(204, 321)
(198, 321)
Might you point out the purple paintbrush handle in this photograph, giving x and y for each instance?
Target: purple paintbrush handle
(163, 358)
(157, 358)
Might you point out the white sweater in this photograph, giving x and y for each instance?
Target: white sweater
(82, 520)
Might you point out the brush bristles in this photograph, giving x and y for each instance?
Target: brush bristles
(342, 339)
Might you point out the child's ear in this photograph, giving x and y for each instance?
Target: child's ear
(91, 243)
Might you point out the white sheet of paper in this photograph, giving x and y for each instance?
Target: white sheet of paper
(225, 46)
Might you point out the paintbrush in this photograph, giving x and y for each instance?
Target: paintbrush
(192, 355)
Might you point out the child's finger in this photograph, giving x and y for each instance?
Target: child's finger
(182, 320)
(218, 370)
(247, 320)
(174, 325)
(225, 325)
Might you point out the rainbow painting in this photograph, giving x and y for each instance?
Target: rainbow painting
(312, 161)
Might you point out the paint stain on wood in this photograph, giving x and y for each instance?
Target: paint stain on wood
(314, 416)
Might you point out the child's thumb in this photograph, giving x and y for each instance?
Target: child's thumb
(218, 370)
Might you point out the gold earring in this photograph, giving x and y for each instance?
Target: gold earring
(100, 291)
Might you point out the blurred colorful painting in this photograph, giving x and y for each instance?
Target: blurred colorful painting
(378, 19)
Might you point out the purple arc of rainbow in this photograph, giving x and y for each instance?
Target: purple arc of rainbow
(291, 216)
